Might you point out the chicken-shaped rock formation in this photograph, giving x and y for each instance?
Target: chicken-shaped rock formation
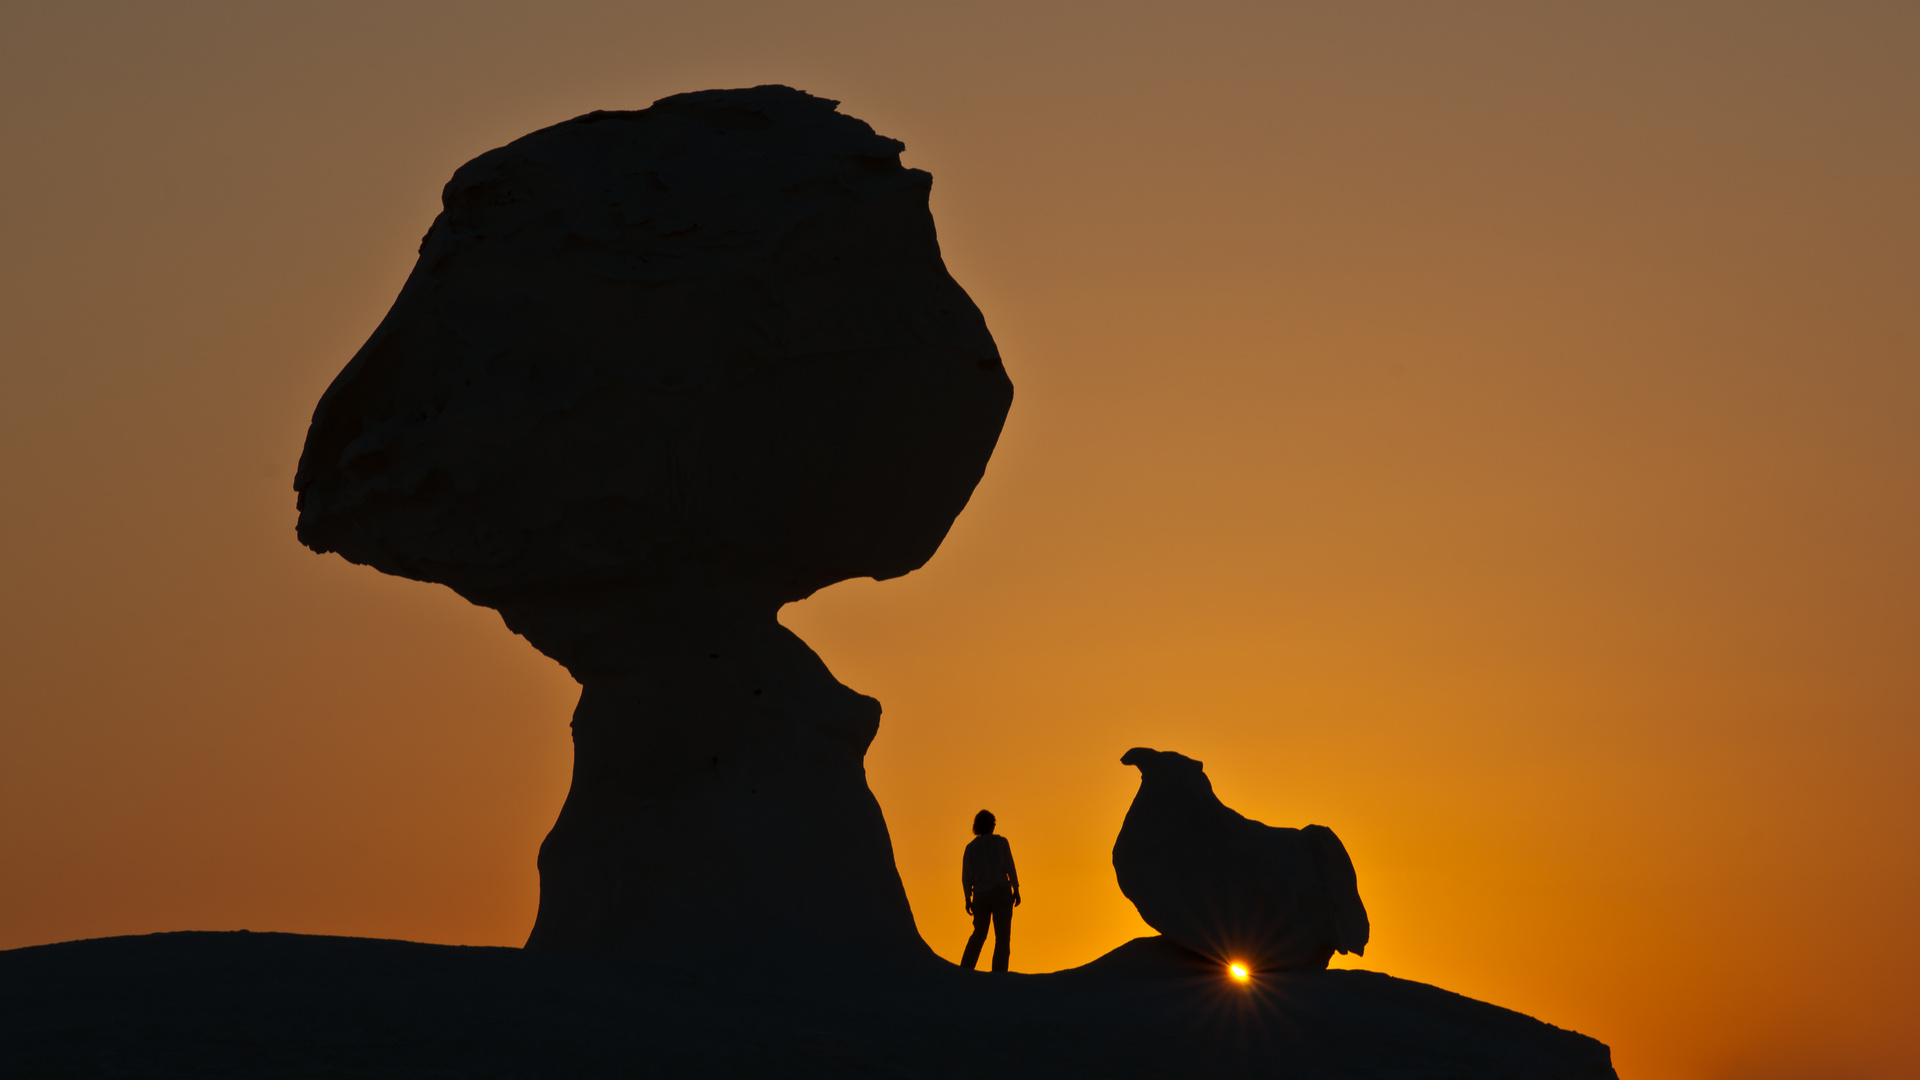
(655, 374)
(1227, 887)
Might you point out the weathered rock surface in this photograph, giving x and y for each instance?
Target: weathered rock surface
(656, 374)
(287, 1005)
(1230, 888)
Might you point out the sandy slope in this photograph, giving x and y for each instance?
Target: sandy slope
(290, 1005)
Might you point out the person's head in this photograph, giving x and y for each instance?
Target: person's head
(983, 823)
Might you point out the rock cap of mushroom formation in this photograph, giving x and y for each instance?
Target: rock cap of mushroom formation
(698, 357)
(1227, 887)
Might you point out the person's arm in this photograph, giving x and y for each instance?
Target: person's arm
(966, 878)
(1013, 876)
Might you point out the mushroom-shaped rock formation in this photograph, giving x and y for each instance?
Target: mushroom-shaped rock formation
(1227, 887)
(655, 374)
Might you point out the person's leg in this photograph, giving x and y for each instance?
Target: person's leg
(972, 956)
(1002, 931)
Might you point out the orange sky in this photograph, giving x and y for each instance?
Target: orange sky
(1490, 431)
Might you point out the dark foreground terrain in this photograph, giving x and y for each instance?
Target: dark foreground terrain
(210, 1005)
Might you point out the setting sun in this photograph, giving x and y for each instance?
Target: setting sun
(1238, 971)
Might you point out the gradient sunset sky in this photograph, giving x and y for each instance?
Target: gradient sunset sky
(1489, 430)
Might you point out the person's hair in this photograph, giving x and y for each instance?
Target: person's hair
(983, 823)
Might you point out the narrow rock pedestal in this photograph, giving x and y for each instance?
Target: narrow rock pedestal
(720, 812)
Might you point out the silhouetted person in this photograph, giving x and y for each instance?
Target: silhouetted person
(992, 889)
